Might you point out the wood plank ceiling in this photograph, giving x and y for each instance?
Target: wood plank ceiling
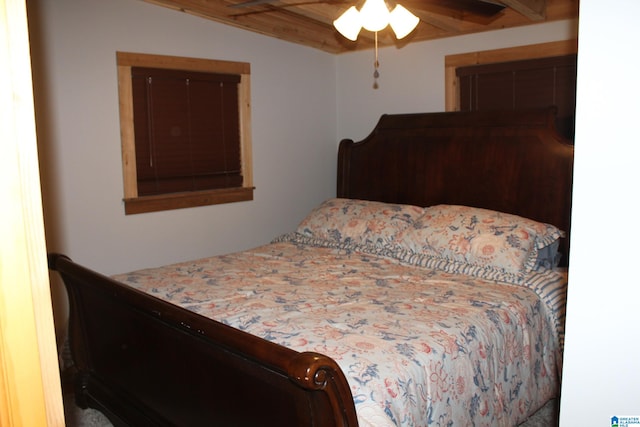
(310, 22)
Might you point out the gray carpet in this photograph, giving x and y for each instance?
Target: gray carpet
(76, 417)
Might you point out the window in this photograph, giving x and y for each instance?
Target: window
(523, 84)
(185, 132)
(523, 76)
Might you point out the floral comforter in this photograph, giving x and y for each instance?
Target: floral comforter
(418, 346)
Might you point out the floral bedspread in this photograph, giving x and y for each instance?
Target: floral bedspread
(418, 347)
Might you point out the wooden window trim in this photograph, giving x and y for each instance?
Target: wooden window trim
(135, 204)
(451, 62)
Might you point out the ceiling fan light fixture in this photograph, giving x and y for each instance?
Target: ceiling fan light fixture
(349, 23)
(402, 21)
(374, 15)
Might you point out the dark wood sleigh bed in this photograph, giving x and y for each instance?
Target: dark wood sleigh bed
(143, 361)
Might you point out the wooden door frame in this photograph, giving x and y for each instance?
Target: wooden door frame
(30, 392)
(535, 51)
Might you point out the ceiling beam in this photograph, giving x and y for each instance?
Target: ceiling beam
(284, 25)
(536, 10)
(309, 22)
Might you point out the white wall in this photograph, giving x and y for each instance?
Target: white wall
(293, 127)
(601, 366)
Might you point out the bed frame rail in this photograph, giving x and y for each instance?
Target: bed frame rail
(136, 355)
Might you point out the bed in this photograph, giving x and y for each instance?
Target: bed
(429, 291)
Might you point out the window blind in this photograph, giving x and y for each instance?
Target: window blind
(523, 84)
(187, 130)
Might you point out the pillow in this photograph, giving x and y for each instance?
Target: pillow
(480, 242)
(358, 221)
(548, 257)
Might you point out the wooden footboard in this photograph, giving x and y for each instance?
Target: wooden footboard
(143, 361)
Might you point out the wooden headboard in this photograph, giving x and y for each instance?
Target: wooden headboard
(510, 161)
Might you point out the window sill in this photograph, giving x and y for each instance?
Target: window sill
(186, 200)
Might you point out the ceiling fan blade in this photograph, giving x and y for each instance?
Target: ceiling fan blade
(251, 3)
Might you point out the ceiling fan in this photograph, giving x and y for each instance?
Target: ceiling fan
(400, 19)
(483, 8)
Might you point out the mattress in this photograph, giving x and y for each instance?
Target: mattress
(418, 346)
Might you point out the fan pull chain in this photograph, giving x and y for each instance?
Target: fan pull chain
(376, 63)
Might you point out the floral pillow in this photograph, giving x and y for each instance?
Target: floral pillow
(355, 221)
(481, 242)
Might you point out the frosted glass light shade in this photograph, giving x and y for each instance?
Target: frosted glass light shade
(402, 21)
(374, 15)
(349, 23)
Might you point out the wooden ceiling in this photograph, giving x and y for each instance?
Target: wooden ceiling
(310, 22)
